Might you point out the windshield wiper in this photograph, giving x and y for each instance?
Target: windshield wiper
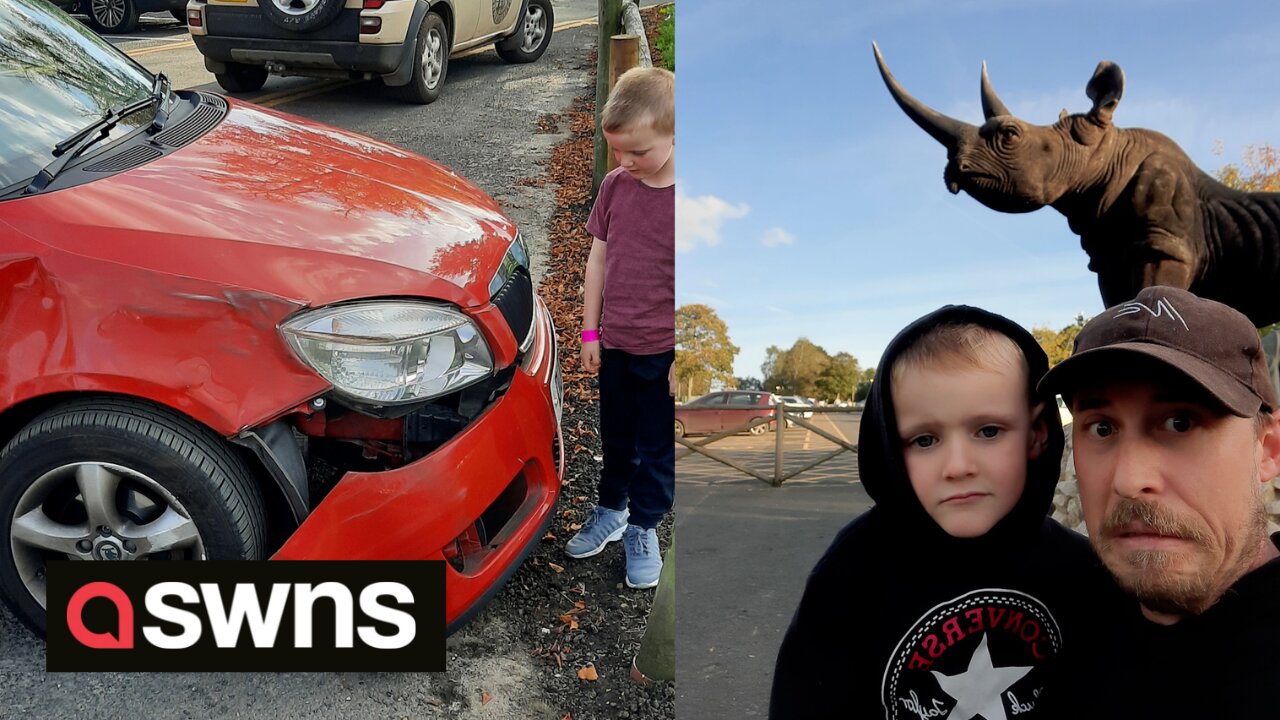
(161, 89)
(71, 148)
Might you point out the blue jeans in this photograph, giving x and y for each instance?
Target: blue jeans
(637, 413)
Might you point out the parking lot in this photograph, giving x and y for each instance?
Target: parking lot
(745, 551)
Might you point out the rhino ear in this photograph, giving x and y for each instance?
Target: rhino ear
(1104, 89)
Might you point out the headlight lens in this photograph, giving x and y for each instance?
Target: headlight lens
(391, 353)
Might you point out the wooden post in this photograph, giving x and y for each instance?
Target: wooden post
(624, 54)
(779, 429)
(610, 19)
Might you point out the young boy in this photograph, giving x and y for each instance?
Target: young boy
(955, 593)
(628, 321)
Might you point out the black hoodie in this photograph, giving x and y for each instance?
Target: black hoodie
(899, 619)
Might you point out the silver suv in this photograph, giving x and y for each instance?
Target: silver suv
(405, 42)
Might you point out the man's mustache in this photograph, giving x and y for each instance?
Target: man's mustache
(1160, 521)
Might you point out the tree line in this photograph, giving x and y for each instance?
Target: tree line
(705, 355)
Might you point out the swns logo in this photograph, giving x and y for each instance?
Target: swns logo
(246, 616)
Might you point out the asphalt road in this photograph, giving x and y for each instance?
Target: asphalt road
(483, 127)
(745, 550)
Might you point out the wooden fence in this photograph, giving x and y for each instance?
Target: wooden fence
(784, 414)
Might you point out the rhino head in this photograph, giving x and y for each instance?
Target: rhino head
(1011, 165)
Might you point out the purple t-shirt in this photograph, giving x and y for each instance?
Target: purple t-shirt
(638, 223)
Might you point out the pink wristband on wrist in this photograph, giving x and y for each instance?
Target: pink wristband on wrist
(590, 336)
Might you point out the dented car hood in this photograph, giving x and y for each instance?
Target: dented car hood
(289, 208)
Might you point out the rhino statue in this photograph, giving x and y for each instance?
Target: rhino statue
(1145, 214)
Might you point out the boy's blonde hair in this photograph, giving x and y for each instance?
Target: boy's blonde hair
(642, 94)
(964, 346)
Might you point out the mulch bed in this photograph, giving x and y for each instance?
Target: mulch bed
(578, 614)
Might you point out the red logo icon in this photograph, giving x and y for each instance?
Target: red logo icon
(123, 639)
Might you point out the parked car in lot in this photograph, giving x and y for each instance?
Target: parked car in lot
(232, 333)
(407, 43)
(718, 411)
(800, 406)
(121, 16)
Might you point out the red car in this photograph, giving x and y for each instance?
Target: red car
(231, 333)
(719, 411)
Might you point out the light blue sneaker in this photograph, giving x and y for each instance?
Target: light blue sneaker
(644, 559)
(602, 527)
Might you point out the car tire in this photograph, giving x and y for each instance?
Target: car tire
(165, 488)
(430, 62)
(679, 429)
(241, 78)
(111, 16)
(532, 36)
(760, 429)
(179, 15)
(300, 16)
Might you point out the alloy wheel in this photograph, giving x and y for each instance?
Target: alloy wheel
(295, 7)
(535, 28)
(97, 511)
(433, 57)
(109, 13)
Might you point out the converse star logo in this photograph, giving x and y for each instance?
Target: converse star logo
(1163, 308)
(980, 655)
(979, 689)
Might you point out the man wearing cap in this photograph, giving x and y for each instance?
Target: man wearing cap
(1175, 432)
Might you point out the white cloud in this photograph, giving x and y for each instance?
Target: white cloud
(776, 236)
(698, 219)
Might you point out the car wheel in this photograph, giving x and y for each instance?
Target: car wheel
(241, 78)
(119, 480)
(759, 429)
(532, 36)
(430, 62)
(179, 15)
(112, 16)
(300, 15)
(679, 429)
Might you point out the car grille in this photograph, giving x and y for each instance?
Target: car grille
(131, 158)
(515, 301)
(211, 111)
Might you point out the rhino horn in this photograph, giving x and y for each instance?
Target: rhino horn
(991, 105)
(945, 130)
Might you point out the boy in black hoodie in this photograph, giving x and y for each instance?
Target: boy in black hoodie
(952, 597)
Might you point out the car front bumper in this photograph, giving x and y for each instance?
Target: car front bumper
(481, 502)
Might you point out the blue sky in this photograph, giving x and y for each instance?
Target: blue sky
(809, 205)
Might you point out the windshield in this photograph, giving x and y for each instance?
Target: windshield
(56, 77)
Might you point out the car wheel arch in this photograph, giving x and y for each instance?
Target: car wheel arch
(404, 71)
(444, 8)
(280, 517)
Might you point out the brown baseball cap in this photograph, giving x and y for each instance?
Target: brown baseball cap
(1213, 345)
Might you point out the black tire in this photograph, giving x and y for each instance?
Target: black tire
(111, 16)
(532, 36)
(430, 62)
(300, 16)
(149, 465)
(241, 78)
(179, 15)
(679, 429)
(758, 429)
